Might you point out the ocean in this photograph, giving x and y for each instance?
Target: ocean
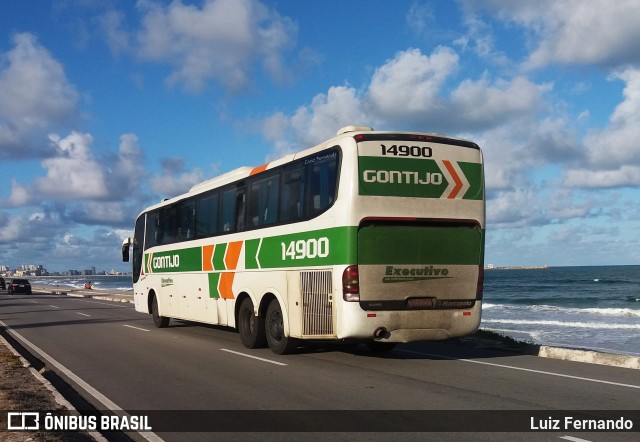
(120, 283)
(595, 308)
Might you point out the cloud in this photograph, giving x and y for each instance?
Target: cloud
(220, 41)
(412, 91)
(410, 83)
(612, 154)
(174, 179)
(34, 94)
(321, 119)
(516, 208)
(73, 173)
(599, 32)
(124, 171)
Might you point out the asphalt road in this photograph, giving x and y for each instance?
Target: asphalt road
(191, 377)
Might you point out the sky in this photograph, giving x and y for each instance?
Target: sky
(109, 106)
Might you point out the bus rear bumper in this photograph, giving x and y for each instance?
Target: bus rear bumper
(408, 326)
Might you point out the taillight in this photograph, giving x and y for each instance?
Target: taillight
(480, 286)
(351, 284)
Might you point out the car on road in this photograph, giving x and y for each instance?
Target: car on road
(19, 286)
(3, 285)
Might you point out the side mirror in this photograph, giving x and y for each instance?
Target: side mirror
(125, 249)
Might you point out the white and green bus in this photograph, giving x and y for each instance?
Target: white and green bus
(370, 236)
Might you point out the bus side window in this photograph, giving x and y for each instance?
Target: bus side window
(263, 200)
(322, 186)
(292, 194)
(228, 212)
(241, 200)
(207, 215)
(169, 224)
(186, 213)
(153, 233)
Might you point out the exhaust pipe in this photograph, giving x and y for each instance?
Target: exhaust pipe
(380, 333)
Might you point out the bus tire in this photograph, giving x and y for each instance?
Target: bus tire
(381, 347)
(274, 325)
(250, 327)
(159, 321)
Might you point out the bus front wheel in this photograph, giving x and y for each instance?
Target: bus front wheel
(159, 321)
(250, 327)
(279, 343)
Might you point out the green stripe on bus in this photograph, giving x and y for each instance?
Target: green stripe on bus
(473, 172)
(400, 177)
(214, 279)
(218, 256)
(315, 248)
(380, 244)
(409, 177)
(179, 260)
(250, 253)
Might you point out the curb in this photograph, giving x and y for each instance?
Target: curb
(57, 397)
(589, 357)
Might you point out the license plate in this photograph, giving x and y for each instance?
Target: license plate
(420, 303)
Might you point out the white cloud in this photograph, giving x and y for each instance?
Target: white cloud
(221, 41)
(601, 32)
(613, 153)
(174, 179)
(409, 91)
(320, 120)
(516, 208)
(34, 94)
(409, 84)
(479, 103)
(73, 173)
(20, 195)
(623, 176)
(125, 171)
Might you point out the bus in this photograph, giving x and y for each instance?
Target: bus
(371, 236)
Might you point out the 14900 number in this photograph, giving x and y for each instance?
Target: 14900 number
(407, 151)
(305, 249)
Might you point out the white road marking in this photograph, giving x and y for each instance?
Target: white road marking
(574, 439)
(253, 357)
(83, 314)
(103, 303)
(549, 373)
(137, 328)
(54, 306)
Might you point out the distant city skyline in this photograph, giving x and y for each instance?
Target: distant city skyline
(41, 270)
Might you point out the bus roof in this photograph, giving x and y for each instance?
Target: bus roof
(359, 133)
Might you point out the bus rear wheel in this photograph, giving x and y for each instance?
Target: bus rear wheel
(250, 327)
(278, 342)
(159, 321)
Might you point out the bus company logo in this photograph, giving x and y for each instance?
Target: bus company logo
(166, 262)
(166, 282)
(402, 177)
(408, 274)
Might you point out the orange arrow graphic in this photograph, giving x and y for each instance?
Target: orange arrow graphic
(455, 177)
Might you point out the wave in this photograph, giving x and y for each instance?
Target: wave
(535, 300)
(565, 324)
(612, 311)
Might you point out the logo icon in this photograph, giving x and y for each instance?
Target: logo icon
(29, 420)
